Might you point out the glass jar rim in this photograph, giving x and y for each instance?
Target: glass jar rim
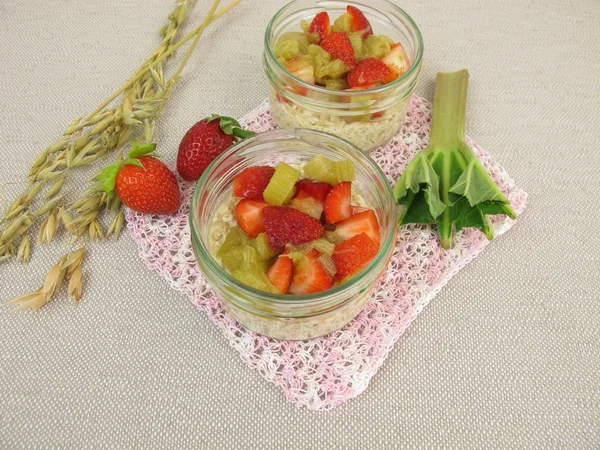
(284, 299)
(269, 52)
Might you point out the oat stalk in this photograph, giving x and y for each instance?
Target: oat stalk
(91, 139)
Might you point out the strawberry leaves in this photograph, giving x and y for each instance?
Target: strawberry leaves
(231, 126)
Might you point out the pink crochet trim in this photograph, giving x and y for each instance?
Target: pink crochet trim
(325, 372)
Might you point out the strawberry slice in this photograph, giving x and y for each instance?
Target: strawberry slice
(358, 209)
(364, 222)
(352, 256)
(321, 24)
(338, 45)
(252, 182)
(288, 225)
(337, 203)
(368, 71)
(315, 189)
(310, 276)
(359, 21)
(280, 274)
(397, 61)
(249, 215)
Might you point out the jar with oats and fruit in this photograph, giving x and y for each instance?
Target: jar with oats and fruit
(348, 69)
(243, 244)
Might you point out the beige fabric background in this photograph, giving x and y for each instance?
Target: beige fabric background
(508, 355)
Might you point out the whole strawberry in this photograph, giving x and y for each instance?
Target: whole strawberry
(142, 182)
(204, 142)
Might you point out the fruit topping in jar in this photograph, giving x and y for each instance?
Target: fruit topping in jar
(298, 236)
(343, 55)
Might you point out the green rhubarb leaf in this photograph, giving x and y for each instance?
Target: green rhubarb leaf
(418, 176)
(416, 209)
(477, 186)
(492, 208)
(466, 216)
(445, 183)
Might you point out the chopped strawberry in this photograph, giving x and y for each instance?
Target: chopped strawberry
(351, 256)
(310, 276)
(321, 24)
(307, 205)
(249, 215)
(315, 189)
(288, 225)
(280, 274)
(337, 203)
(368, 71)
(252, 182)
(358, 209)
(397, 61)
(359, 21)
(364, 222)
(338, 45)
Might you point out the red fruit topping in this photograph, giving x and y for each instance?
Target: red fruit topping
(321, 24)
(364, 222)
(288, 225)
(368, 71)
(315, 189)
(337, 203)
(249, 215)
(338, 45)
(359, 21)
(152, 189)
(252, 182)
(397, 61)
(351, 256)
(280, 274)
(199, 147)
(310, 276)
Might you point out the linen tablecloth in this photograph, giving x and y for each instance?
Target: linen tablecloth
(507, 355)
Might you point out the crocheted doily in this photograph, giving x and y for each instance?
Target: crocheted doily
(327, 371)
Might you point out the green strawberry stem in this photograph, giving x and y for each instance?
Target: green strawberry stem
(446, 183)
(242, 134)
(231, 126)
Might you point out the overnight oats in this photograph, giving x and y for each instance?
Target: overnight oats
(348, 70)
(292, 229)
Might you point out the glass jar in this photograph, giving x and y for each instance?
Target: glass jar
(367, 118)
(289, 316)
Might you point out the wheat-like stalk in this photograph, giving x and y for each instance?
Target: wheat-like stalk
(91, 139)
(86, 141)
(68, 265)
